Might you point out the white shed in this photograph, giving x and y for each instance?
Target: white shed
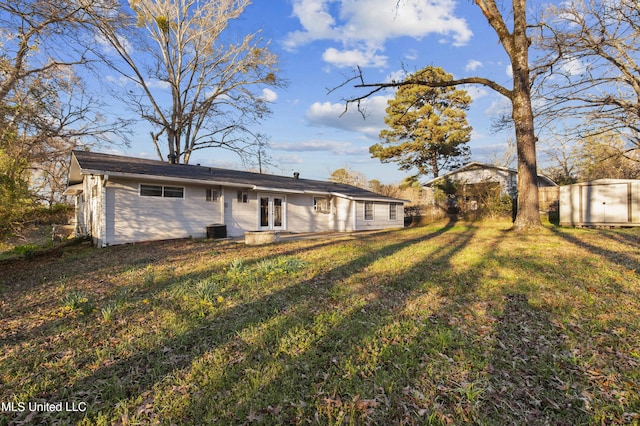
(602, 202)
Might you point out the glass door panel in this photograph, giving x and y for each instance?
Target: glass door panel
(277, 212)
(264, 211)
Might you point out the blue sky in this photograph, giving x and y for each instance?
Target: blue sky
(320, 41)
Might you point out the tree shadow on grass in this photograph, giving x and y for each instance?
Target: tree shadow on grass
(347, 373)
(532, 379)
(136, 375)
(621, 259)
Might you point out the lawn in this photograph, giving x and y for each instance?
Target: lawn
(452, 323)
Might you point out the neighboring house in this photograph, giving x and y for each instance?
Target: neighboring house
(474, 172)
(602, 202)
(480, 176)
(122, 200)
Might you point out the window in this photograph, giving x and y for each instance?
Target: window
(212, 194)
(243, 197)
(161, 191)
(173, 192)
(368, 210)
(321, 205)
(393, 211)
(151, 190)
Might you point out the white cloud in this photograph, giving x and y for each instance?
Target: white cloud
(120, 80)
(288, 159)
(154, 83)
(476, 92)
(316, 20)
(108, 48)
(509, 71)
(333, 147)
(269, 95)
(365, 25)
(573, 66)
(412, 54)
(473, 65)
(399, 75)
(327, 114)
(500, 106)
(351, 58)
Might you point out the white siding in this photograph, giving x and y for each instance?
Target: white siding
(131, 217)
(92, 217)
(380, 216)
(508, 181)
(344, 219)
(240, 217)
(113, 212)
(301, 217)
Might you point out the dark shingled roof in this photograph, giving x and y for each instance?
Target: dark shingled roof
(98, 163)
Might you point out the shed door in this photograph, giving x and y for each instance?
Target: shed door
(606, 203)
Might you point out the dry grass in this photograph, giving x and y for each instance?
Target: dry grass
(447, 324)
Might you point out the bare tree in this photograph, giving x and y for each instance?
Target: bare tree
(593, 59)
(561, 152)
(508, 155)
(605, 156)
(515, 42)
(44, 110)
(40, 36)
(195, 89)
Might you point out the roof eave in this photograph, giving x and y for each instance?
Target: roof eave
(157, 178)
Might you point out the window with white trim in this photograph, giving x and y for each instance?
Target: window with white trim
(161, 191)
(393, 211)
(321, 205)
(212, 195)
(368, 210)
(243, 197)
(173, 192)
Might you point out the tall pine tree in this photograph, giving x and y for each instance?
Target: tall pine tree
(428, 129)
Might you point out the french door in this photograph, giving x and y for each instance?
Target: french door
(272, 212)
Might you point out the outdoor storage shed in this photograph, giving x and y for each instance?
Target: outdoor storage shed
(602, 202)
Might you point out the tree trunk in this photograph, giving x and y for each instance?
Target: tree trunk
(528, 216)
(528, 204)
(434, 165)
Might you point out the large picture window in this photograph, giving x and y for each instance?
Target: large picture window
(368, 210)
(161, 191)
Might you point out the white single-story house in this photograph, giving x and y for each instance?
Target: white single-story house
(602, 202)
(121, 200)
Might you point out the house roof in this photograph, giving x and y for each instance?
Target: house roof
(605, 181)
(87, 163)
(474, 165)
